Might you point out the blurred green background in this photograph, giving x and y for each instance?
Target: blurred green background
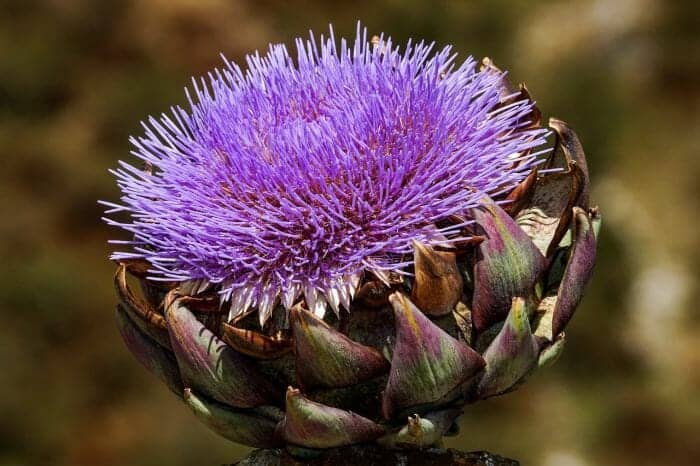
(76, 78)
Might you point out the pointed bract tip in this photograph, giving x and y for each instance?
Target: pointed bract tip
(572, 149)
(327, 358)
(140, 312)
(521, 195)
(255, 344)
(511, 355)
(428, 366)
(421, 431)
(247, 427)
(314, 425)
(211, 367)
(578, 271)
(438, 282)
(509, 264)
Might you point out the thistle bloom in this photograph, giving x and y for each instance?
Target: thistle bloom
(292, 178)
(400, 185)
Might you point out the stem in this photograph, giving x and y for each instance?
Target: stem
(371, 455)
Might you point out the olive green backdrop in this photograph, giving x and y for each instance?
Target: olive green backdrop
(76, 77)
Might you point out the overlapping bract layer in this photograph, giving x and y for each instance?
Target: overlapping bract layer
(296, 175)
(390, 371)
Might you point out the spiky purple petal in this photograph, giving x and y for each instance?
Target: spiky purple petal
(301, 172)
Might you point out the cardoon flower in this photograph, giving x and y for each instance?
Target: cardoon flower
(399, 186)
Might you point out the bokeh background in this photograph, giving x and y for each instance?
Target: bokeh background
(76, 78)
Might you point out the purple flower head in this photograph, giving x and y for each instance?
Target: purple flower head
(298, 174)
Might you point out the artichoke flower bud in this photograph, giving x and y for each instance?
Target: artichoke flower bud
(403, 191)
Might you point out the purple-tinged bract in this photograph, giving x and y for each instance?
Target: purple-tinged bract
(296, 175)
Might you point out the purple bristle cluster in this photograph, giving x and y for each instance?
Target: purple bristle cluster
(296, 175)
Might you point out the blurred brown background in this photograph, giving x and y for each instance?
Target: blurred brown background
(76, 77)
